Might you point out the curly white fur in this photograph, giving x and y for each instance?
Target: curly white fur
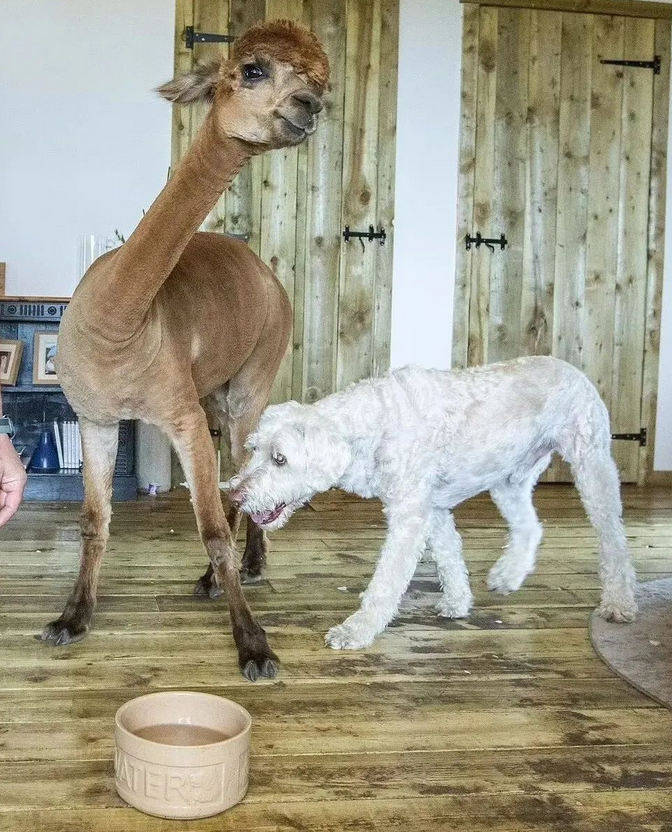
(425, 440)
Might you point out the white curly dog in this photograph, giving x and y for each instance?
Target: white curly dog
(425, 440)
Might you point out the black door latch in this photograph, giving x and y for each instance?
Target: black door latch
(490, 242)
(369, 235)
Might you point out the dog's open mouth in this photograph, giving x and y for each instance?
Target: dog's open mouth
(263, 518)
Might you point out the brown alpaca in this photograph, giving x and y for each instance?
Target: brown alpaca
(174, 316)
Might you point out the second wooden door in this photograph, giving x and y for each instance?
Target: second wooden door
(556, 154)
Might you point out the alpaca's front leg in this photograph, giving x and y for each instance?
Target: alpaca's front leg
(404, 545)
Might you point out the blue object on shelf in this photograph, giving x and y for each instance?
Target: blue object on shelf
(45, 455)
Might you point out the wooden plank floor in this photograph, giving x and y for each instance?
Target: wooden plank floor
(507, 721)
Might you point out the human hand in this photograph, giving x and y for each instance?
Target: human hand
(12, 479)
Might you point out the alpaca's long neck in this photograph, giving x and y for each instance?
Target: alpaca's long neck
(124, 292)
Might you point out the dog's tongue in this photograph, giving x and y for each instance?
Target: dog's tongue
(261, 518)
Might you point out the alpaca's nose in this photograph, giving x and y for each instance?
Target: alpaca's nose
(308, 99)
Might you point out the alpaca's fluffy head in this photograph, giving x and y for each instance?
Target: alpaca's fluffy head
(268, 93)
(295, 454)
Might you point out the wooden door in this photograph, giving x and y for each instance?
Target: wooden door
(556, 153)
(292, 205)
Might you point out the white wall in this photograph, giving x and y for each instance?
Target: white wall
(84, 144)
(426, 199)
(430, 52)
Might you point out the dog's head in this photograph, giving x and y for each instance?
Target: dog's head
(296, 452)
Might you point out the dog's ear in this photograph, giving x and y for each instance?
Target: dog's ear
(199, 84)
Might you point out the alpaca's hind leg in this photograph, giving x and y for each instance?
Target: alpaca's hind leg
(99, 446)
(445, 547)
(191, 437)
(514, 502)
(598, 483)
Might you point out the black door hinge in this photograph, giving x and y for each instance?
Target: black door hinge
(490, 242)
(654, 64)
(191, 37)
(632, 437)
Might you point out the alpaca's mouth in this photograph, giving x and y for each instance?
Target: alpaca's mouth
(263, 518)
(301, 130)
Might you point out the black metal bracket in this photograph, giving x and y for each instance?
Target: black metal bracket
(654, 64)
(632, 437)
(369, 235)
(490, 242)
(191, 37)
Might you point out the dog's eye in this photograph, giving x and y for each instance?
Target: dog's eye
(252, 71)
(279, 459)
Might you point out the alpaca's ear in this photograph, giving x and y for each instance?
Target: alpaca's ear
(197, 85)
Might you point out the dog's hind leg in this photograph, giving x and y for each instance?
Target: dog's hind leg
(597, 481)
(445, 547)
(514, 501)
(403, 548)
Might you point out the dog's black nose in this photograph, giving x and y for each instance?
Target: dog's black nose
(309, 99)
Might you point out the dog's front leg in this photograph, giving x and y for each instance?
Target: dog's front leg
(404, 545)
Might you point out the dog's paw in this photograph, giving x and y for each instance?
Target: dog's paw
(503, 578)
(349, 636)
(622, 613)
(454, 608)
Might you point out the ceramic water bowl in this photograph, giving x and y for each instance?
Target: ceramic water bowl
(181, 754)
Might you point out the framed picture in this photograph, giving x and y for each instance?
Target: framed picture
(44, 371)
(10, 361)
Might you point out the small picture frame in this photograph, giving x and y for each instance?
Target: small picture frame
(45, 346)
(10, 361)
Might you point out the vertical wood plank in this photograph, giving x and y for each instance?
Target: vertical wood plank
(603, 201)
(656, 244)
(465, 182)
(572, 214)
(300, 267)
(210, 16)
(573, 177)
(508, 199)
(360, 144)
(181, 122)
(278, 212)
(387, 129)
(543, 116)
(629, 332)
(243, 215)
(479, 303)
(324, 163)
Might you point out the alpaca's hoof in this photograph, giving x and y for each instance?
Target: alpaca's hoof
(207, 588)
(260, 669)
(61, 632)
(248, 577)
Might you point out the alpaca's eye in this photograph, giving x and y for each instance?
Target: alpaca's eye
(279, 459)
(251, 72)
